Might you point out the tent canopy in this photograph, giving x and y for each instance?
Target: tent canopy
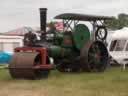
(121, 34)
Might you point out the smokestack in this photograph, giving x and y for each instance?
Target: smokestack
(43, 17)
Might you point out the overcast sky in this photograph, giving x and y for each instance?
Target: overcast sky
(18, 13)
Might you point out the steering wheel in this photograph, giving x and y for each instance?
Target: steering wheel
(101, 33)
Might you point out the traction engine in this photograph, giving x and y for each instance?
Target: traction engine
(75, 49)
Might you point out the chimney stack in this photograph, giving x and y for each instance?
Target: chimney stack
(43, 19)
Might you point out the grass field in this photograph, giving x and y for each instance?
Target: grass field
(113, 82)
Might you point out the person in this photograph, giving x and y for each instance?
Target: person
(51, 30)
(52, 27)
(29, 39)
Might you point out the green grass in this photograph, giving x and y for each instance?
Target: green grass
(113, 82)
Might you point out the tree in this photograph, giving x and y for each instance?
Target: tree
(118, 23)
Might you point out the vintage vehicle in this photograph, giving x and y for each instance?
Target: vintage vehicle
(72, 50)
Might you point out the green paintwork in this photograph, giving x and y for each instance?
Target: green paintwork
(58, 38)
(58, 51)
(60, 48)
(64, 43)
(81, 35)
(55, 51)
(69, 38)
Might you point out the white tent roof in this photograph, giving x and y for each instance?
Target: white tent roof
(121, 34)
(19, 31)
(11, 37)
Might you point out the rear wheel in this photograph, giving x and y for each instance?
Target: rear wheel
(94, 57)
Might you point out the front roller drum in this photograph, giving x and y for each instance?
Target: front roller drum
(22, 63)
(94, 57)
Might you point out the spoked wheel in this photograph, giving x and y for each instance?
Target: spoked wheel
(94, 57)
(21, 66)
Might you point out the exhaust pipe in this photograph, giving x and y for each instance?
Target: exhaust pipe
(43, 17)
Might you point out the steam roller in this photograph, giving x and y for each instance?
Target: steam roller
(28, 64)
(21, 65)
(73, 49)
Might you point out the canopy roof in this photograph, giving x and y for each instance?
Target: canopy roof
(121, 34)
(81, 17)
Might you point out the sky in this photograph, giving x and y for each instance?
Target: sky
(18, 13)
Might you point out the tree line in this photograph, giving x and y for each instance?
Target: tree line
(118, 23)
